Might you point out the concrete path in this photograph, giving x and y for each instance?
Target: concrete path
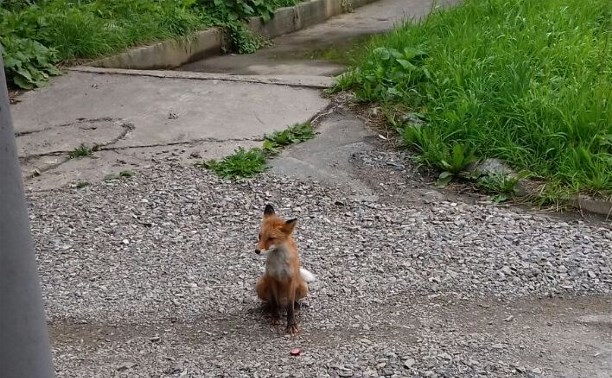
(137, 118)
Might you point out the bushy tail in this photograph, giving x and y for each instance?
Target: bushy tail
(307, 276)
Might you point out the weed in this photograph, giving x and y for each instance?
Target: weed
(504, 186)
(82, 184)
(81, 151)
(241, 164)
(295, 134)
(246, 163)
(126, 174)
(528, 82)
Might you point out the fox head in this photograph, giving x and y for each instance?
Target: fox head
(274, 231)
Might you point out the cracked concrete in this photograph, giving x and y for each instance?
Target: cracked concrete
(168, 117)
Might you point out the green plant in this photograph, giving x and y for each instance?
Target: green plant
(242, 40)
(82, 184)
(27, 63)
(295, 134)
(527, 82)
(126, 174)
(81, 151)
(503, 186)
(241, 164)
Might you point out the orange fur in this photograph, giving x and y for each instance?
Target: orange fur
(282, 284)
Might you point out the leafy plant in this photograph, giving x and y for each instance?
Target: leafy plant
(27, 63)
(241, 164)
(503, 186)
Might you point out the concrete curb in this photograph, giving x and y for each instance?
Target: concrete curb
(176, 52)
(601, 207)
(302, 81)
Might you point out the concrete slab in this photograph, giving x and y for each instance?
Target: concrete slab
(326, 158)
(164, 110)
(296, 53)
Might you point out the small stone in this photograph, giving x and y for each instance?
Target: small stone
(125, 366)
(295, 352)
(497, 346)
(409, 363)
(125, 241)
(509, 318)
(591, 274)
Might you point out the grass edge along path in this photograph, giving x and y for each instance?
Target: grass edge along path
(525, 81)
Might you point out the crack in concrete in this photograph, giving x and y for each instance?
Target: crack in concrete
(186, 142)
(77, 122)
(315, 82)
(126, 126)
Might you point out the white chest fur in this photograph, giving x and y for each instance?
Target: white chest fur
(277, 264)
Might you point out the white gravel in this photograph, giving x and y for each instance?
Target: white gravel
(154, 276)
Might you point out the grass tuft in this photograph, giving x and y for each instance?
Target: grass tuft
(295, 134)
(81, 151)
(241, 164)
(247, 163)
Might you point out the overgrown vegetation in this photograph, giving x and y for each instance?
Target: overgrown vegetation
(247, 163)
(38, 34)
(526, 81)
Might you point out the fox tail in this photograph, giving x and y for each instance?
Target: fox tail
(307, 276)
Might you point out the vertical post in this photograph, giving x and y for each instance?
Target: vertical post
(24, 341)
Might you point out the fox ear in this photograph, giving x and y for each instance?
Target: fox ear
(289, 225)
(269, 210)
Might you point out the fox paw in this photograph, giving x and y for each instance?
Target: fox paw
(292, 329)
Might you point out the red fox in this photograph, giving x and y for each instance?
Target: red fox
(284, 281)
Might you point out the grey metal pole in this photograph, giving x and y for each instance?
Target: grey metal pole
(24, 342)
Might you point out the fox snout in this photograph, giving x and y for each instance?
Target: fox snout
(257, 250)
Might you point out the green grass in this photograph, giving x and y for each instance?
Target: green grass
(37, 35)
(247, 163)
(295, 134)
(241, 164)
(81, 151)
(526, 81)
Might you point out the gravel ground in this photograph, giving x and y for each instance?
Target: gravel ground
(154, 276)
